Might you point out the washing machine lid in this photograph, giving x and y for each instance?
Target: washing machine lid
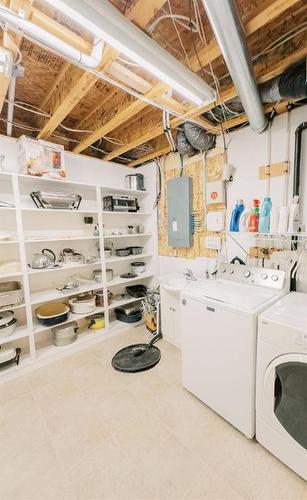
(289, 311)
(246, 299)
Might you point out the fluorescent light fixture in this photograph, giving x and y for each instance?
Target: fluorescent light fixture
(107, 23)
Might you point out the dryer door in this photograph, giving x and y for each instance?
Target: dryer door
(287, 377)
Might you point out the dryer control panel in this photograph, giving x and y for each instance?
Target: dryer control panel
(268, 278)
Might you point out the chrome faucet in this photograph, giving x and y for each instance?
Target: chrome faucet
(189, 275)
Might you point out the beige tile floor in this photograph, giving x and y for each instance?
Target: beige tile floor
(76, 429)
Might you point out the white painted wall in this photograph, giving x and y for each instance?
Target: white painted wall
(79, 168)
(247, 151)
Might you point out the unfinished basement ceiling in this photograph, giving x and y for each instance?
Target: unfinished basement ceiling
(74, 100)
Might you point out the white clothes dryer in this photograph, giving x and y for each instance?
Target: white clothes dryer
(281, 389)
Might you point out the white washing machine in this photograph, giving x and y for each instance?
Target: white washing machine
(281, 401)
(219, 336)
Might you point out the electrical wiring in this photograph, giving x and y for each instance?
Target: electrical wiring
(178, 35)
(192, 26)
(19, 54)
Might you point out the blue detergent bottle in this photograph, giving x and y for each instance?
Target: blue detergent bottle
(235, 216)
(265, 215)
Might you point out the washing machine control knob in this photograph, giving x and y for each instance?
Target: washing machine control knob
(223, 270)
(247, 274)
(274, 277)
(184, 302)
(264, 276)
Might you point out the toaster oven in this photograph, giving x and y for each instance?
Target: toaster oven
(120, 204)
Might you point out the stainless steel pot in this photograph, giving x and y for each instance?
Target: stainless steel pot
(8, 329)
(43, 260)
(82, 304)
(109, 274)
(11, 293)
(137, 267)
(135, 182)
(65, 334)
(97, 275)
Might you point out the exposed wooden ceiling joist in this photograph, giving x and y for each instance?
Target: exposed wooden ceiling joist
(211, 53)
(225, 96)
(73, 86)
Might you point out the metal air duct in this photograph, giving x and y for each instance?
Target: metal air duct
(226, 24)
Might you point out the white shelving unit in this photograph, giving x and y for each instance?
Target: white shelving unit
(33, 229)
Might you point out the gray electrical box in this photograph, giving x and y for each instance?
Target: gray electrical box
(179, 205)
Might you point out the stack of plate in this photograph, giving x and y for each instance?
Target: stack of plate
(65, 334)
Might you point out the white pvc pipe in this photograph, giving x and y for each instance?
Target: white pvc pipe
(10, 106)
(37, 33)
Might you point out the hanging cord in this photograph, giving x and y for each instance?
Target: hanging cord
(269, 156)
(159, 181)
(286, 177)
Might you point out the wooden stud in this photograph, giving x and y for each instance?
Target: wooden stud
(275, 170)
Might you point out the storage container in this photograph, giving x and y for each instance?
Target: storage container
(65, 334)
(11, 293)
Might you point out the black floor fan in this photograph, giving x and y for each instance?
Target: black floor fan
(139, 357)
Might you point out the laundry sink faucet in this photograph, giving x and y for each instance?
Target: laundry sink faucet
(189, 275)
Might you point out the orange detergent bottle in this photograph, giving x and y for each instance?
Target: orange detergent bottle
(253, 222)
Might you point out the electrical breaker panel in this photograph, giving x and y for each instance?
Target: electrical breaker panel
(180, 206)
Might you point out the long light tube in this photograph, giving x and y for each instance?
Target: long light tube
(107, 23)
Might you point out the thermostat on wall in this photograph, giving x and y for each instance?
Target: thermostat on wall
(216, 221)
(215, 192)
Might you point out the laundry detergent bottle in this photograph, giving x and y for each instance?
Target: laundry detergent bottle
(253, 222)
(265, 215)
(235, 216)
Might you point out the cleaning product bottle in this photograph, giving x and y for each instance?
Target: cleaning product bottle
(283, 222)
(265, 214)
(274, 223)
(235, 216)
(253, 223)
(244, 219)
(294, 217)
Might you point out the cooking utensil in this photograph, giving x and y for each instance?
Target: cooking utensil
(130, 308)
(70, 256)
(52, 313)
(83, 303)
(132, 230)
(109, 274)
(8, 329)
(64, 201)
(100, 298)
(140, 229)
(65, 334)
(69, 287)
(128, 275)
(135, 182)
(11, 293)
(96, 322)
(43, 260)
(9, 356)
(137, 291)
(137, 267)
(97, 275)
(6, 204)
(136, 250)
(121, 296)
(6, 317)
(123, 252)
(128, 318)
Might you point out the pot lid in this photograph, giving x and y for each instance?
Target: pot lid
(83, 297)
(6, 317)
(9, 323)
(136, 264)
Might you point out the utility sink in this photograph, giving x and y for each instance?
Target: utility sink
(174, 283)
